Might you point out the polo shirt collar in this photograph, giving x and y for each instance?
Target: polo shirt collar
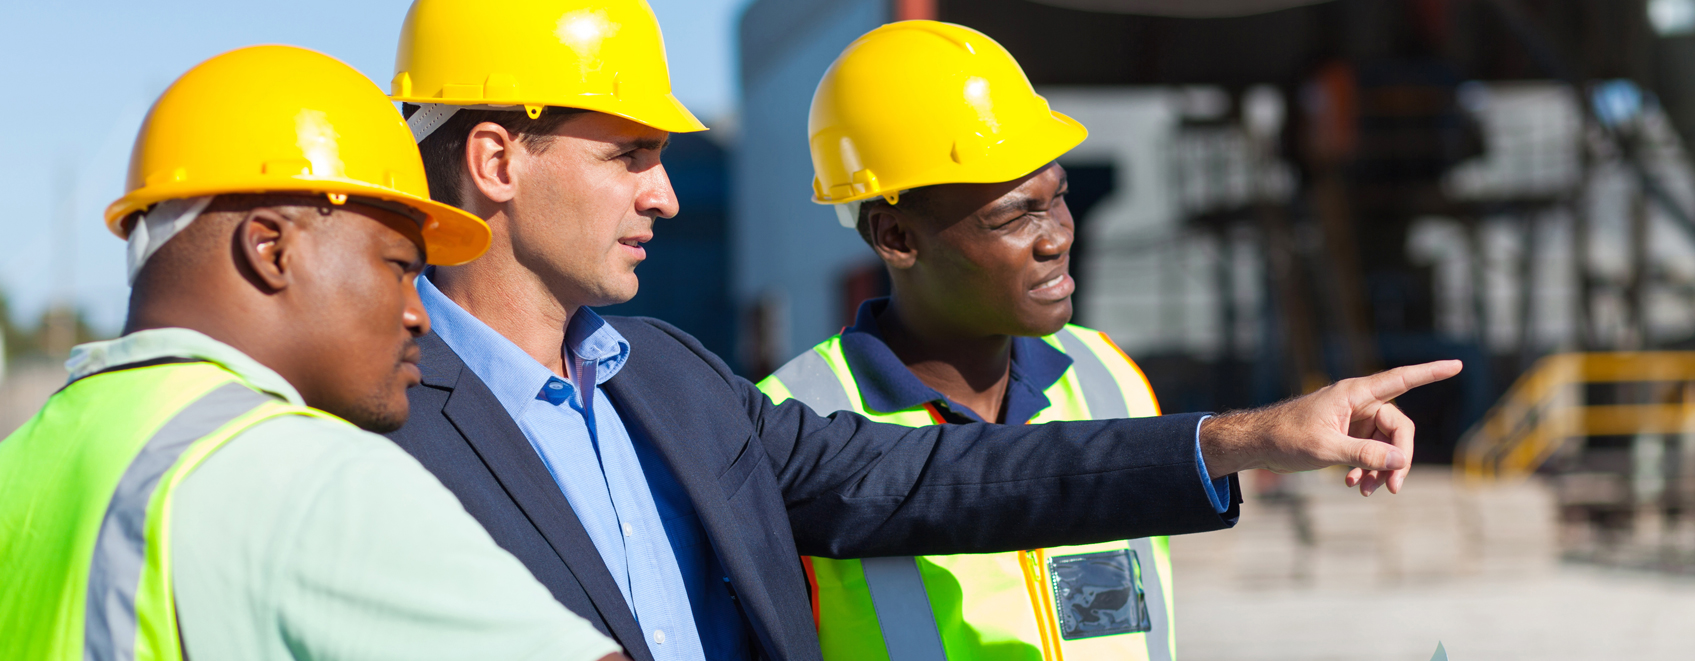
(886, 385)
(167, 343)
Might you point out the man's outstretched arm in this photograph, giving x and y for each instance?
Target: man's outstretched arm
(859, 489)
(853, 488)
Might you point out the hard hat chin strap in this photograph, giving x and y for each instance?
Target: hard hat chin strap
(428, 118)
(158, 225)
(847, 213)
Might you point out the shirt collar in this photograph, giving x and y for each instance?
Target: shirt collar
(161, 343)
(886, 385)
(513, 376)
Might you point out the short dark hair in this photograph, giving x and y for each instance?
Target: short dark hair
(915, 200)
(444, 150)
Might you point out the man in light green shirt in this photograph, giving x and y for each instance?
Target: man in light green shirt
(308, 539)
(207, 486)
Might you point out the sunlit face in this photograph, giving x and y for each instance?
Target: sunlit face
(367, 315)
(994, 259)
(584, 204)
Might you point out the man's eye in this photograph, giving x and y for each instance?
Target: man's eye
(1015, 220)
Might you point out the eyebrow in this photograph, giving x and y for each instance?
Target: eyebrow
(655, 144)
(1023, 202)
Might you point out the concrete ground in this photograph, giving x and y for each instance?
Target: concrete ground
(1316, 573)
(1572, 613)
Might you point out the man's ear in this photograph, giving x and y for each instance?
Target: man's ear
(265, 244)
(891, 237)
(489, 151)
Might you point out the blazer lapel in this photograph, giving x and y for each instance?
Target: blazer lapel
(484, 423)
(695, 466)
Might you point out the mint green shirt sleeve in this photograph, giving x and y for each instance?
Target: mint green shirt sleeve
(304, 539)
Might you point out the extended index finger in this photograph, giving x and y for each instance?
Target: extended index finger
(1384, 386)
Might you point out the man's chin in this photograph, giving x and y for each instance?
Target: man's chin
(1047, 324)
(378, 414)
(380, 423)
(615, 292)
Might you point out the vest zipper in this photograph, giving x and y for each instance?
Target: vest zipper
(1035, 564)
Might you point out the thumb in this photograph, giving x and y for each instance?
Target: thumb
(1366, 454)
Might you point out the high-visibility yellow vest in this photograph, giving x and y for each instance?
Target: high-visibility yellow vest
(85, 505)
(1097, 601)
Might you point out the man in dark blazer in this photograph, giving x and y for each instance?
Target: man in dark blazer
(667, 500)
(770, 482)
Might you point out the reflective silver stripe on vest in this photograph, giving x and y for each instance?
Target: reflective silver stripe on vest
(121, 547)
(810, 380)
(1106, 400)
(903, 609)
(1100, 390)
(1153, 591)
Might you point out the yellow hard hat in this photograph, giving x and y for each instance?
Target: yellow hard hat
(600, 55)
(269, 119)
(919, 103)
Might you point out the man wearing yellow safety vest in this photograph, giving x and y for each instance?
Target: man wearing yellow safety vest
(653, 491)
(202, 486)
(975, 235)
(930, 142)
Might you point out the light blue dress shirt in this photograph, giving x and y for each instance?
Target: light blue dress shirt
(590, 454)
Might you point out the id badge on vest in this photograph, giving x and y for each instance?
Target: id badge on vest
(1099, 594)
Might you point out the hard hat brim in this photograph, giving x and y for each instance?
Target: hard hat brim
(452, 236)
(665, 113)
(1031, 152)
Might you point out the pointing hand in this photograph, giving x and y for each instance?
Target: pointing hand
(1349, 423)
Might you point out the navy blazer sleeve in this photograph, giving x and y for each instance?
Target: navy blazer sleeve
(855, 488)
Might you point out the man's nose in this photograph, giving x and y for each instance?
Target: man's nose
(414, 316)
(656, 196)
(1057, 240)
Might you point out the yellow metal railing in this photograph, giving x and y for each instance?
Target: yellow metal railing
(1546, 407)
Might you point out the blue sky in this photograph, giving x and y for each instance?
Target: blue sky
(82, 75)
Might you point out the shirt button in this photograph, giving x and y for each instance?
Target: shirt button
(556, 386)
(630, 531)
(659, 636)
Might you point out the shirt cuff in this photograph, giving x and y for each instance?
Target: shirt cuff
(1218, 491)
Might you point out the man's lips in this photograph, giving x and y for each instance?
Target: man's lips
(634, 244)
(409, 358)
(1056, 288)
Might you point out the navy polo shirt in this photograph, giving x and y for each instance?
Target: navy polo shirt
(887, 385)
